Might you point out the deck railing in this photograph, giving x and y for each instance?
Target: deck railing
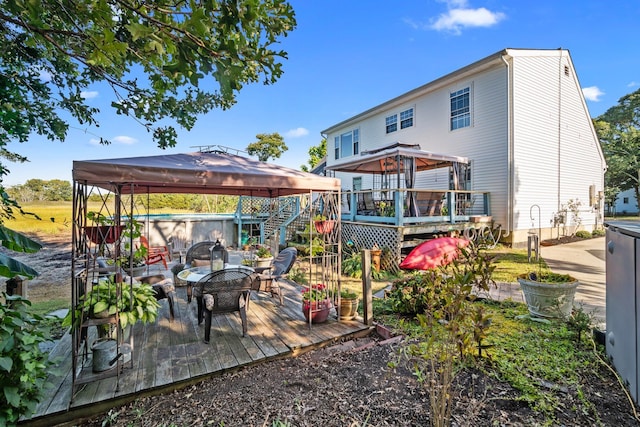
(408, 206)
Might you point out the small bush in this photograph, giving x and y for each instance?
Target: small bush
(298, 275)
(23, 366)
(583, 234)
(598, 232)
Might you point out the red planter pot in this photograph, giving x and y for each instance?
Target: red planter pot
(319, 310)
(325, 227)
(102, 234)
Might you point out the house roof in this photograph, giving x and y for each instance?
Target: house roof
(385, 159)
(212, 173)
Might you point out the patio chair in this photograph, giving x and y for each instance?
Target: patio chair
(429, 203)
(366, 205)
(155, 254)
(224, 291)
(179, 245)
(197, 255)
(280, 266)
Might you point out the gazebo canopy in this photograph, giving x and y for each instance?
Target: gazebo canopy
(199, 172)
(385, 160)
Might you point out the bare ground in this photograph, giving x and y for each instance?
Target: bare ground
(349, 384)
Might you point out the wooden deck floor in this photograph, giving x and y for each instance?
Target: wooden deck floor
(169, 355)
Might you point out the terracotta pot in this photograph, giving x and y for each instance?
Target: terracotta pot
(319, 310)
(348, 308)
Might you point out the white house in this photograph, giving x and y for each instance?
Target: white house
(518, 116)
(626, 203)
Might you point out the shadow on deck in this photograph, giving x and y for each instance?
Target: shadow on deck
(171, 355)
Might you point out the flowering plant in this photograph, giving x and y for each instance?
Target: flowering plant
(263, 252)
(315, 293)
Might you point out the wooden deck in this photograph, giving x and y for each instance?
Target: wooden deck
(169, 355)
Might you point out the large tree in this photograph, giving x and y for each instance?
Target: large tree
(167, 61)
(268, 145)
(316, 154)
(619, 132)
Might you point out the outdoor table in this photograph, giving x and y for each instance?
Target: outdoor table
(193, 275)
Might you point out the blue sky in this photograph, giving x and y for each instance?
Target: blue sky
(347, 56)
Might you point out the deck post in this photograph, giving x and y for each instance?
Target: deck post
(367, 295)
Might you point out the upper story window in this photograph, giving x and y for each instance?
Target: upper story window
(406, 118)
(391, 123)
(347, 144)
(460, 109)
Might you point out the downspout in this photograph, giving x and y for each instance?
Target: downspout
(510, 171)
(559, 125)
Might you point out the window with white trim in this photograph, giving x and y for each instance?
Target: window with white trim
(406, 118)
(391, 123)
(460, 109)
(347, 144)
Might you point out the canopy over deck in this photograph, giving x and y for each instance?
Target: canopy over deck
(391, 158)
(199, 172)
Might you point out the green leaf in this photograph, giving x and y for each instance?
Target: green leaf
(18, 242)
(100, 306)
(10, 267)
(6, 363)
(12, 394)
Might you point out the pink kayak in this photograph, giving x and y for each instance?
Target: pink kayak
(433, 253)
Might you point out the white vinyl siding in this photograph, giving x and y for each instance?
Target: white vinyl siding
(555, 152)
(554, 162)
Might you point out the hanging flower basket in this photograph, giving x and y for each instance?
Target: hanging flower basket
(101, 234)
(325, 227)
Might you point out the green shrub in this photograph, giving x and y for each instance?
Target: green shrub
(352, 266)
(23, 366)
(598, 232)
(583, 234)
(298, 275)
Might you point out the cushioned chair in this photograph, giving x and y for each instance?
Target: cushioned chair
(197, 255)
(224, 291)
(280, 266)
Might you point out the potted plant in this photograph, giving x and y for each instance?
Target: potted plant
(548, 294)
(323, 225)
(316, 303)
(263, 256)
(136, 303)
(348, 304)
(133, 263)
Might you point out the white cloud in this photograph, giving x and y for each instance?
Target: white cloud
(633, 84)
(94, 141)
(592, 93)
(460, 16)
(88, 94)
(122, 139)
(296, 133)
